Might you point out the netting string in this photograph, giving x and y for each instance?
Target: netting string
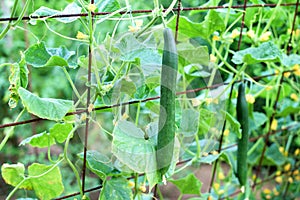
(256, 78)
(145, 11)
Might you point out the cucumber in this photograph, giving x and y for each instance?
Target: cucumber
(166, 124)
(242, 117)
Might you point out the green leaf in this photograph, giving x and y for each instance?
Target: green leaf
(274, 155)
(46, 108)
(72, 8)
(97, 163)
(13, 174)
(107, 5)
(257, 121)
(60, 131)
(213, 22)
(45, 180)
(131, 148)
(39, 56)
(234, 124)
(190, 55)
(39, 140)
(117, 189)
(189, 122)
(131, 49)
(290, 60)
(188, 185)
(267, 51)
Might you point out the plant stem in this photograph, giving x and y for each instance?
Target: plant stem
(11, 131)
(68, 160)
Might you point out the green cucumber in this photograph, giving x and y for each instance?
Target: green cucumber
(166, 124)
(242, 117)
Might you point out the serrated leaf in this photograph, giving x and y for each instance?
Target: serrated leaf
(274, 155)
(189, 122)
(117, 189)
(40, 140)
(131, 50)
(46, 180)
(188, 185)
(267, 51)
(60, 131)
(13, 174)
(290, 60)
(39, 56)
(212, 22)
(107, 5)
(257, 121)
(235, 125)
(190, 55)
(98, 163)
(71, 8)
(131, 148)
(46, 108)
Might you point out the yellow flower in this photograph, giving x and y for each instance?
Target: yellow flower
(268, 196)
(278, 173)
(274, 125)
(269, 87)
(220, 192)
(205, 154)
(216, 186)
(208, 100)
(251, 34)
(142, 188)
(216, 38)
(92, 7)
(265, 36)
(296, 172)
(267, 191)
(209, 198)
(212, 58)
(226, 132)
(133, 29)
(81, 36)
(286, 74)
(297, 152)
(91, 108)
(137, 26)
(214, 152)
(221, 176)
(253, 177)
(276, 193)
(281, 149)
(125, 116)
(297, 178)
(294, 97)
(278, 179)
(276, 71)
(290, 179)
(296, 69)
(250, 98)
(196, 102)
(139, 22)
(131, 184)
(287, 167)
(235, 33)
